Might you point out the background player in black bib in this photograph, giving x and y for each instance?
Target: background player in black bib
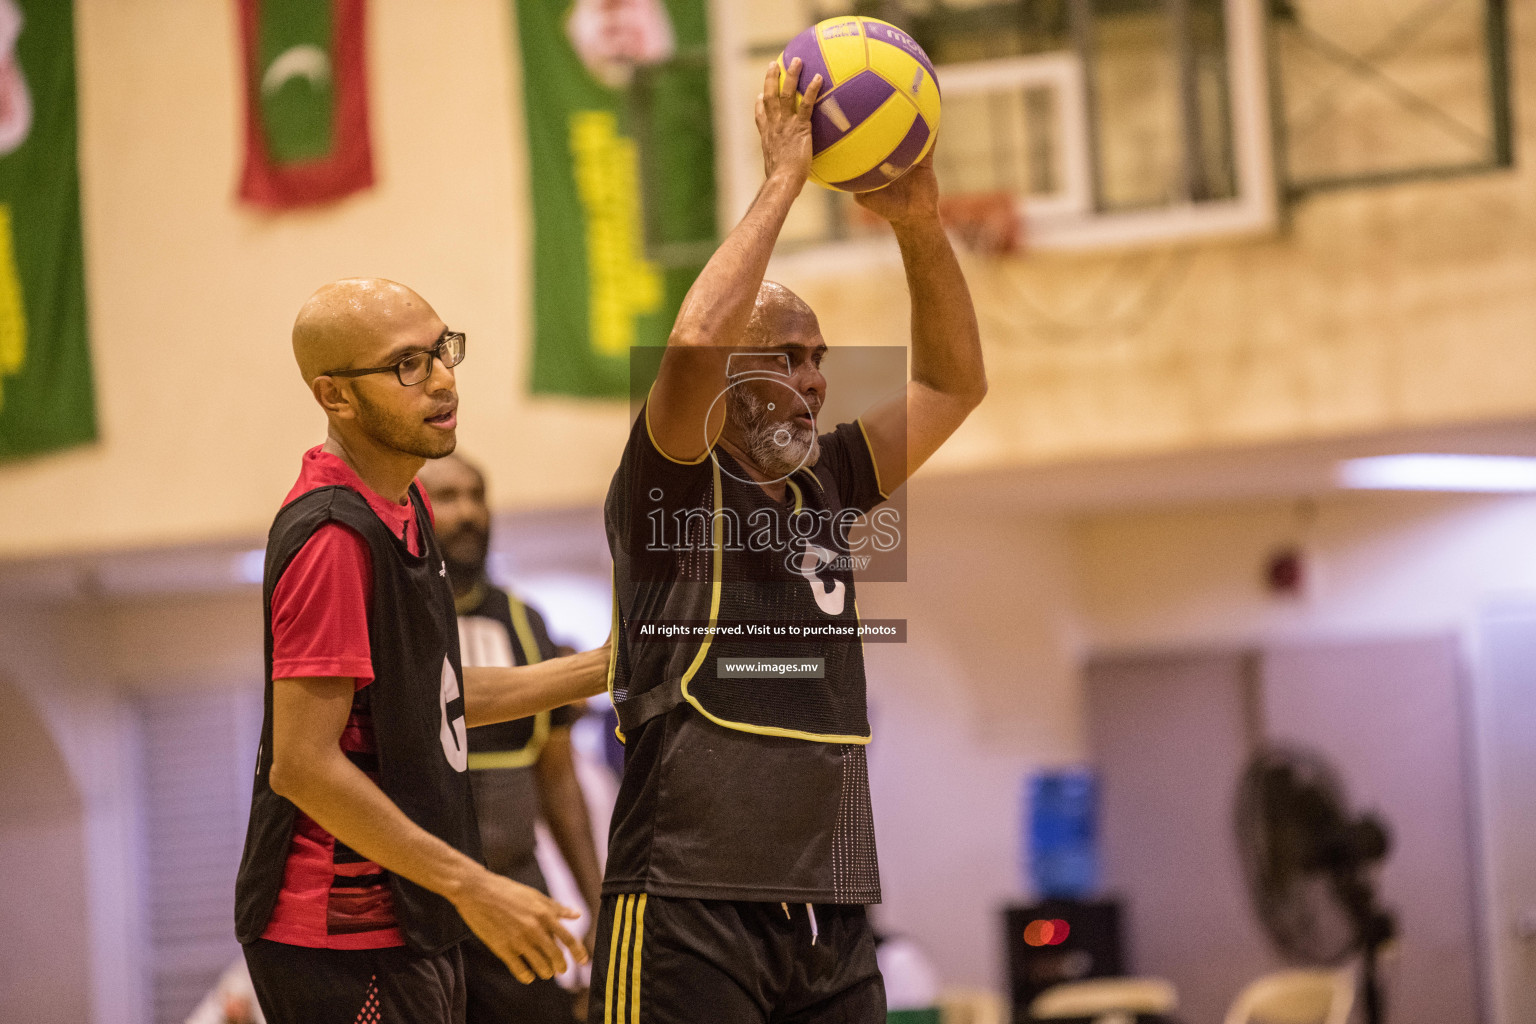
(520, 771)
(370, 772)
(741, 855)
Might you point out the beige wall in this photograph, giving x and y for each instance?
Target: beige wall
(1377, 308)
(203, 415)
(1381, 564)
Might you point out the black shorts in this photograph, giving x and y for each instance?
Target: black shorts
(665, 960)
(495, 997)
(300, 985)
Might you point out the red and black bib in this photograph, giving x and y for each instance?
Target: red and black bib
(417, 704)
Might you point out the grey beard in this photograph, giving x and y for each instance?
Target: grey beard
(750, 415)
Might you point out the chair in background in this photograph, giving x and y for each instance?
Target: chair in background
(1296, 997)
(972, 1006)
(1106, 1000)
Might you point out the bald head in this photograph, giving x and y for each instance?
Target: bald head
(778, 312)
(351, 319)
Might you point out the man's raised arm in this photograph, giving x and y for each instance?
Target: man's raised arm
(715, 311)
(948, 379)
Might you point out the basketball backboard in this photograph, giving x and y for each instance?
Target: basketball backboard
(1113, 123)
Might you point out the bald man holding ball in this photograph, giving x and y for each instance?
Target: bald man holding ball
(741, 857)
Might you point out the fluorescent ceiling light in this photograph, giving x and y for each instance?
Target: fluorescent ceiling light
(1501, 474)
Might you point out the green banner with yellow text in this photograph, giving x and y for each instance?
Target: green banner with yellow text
(46, 396)
(621, 154)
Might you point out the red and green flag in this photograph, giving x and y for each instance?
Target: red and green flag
(46, 396)
(621, 154)
(306, 102)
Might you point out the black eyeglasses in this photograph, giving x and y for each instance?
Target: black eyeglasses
(416, 367)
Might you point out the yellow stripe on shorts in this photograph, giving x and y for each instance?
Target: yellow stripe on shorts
(627, 992)
(634, 982)
(613, 958)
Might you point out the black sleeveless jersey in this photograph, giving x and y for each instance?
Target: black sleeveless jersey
(497, 629)
(740, 783)
(417, 705)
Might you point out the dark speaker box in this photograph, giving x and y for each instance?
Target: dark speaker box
(1038, 958)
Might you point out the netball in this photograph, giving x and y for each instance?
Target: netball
(878, 111)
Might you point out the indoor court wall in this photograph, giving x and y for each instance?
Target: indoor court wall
(1381, 567)
(1373, 308)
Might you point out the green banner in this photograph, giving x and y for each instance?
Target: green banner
(46, 399)
(297, 86)
(622, 164)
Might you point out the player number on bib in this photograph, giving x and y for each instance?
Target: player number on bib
(451, 733)
(828, 599)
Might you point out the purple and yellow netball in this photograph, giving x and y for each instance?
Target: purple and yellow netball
(878, 111)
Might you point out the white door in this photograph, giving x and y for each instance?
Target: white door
(1506, 718)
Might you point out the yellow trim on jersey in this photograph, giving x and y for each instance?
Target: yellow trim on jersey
(529, 753)
(714, 618)
(873, 464)
(613, 643)
(524, 629)
(523, 758)
(718, 559)
(654, 444)
(799, 498)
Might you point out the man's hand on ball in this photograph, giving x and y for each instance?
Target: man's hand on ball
(912, 197)
(785, 127)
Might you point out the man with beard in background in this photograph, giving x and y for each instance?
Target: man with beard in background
(519, 771)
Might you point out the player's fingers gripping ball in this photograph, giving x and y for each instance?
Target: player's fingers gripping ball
(878, 111)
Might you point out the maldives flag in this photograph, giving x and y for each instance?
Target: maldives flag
(306, 102)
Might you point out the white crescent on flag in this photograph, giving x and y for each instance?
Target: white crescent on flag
(303, 61)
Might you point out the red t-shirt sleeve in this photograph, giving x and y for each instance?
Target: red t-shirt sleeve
(320, 609)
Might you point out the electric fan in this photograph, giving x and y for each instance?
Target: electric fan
(1310, 865)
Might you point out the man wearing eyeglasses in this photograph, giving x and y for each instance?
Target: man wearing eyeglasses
(362, 866)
